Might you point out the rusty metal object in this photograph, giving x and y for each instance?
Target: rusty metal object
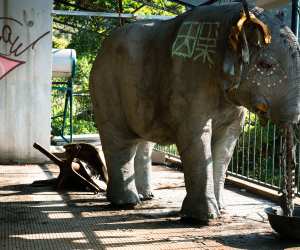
(286, 226)
(89, 154)
(234, 37)
(82, 162)
(289, 166)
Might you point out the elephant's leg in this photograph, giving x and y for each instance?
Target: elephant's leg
(195, 150)
(119, 155)
(142, 170)
(224, 141)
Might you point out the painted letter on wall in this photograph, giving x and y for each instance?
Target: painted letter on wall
(14, 45)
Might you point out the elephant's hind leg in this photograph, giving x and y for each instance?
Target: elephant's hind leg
(119, 154)
(142, 169)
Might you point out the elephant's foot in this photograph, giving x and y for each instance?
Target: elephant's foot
(221, 206)
(223, 211)
(122, 197)
(200, 212)
(144, 191)
(144, 196)
(219, 189)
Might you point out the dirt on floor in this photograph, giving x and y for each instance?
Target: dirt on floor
(42, 218)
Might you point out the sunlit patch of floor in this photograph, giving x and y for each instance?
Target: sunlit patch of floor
(41, 218)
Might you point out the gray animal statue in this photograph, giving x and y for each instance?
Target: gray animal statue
(186, 81)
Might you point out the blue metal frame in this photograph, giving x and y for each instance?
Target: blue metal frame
(68, 89)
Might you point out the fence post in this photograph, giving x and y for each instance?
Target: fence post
(295, 17)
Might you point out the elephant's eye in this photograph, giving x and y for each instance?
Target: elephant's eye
(264, 64)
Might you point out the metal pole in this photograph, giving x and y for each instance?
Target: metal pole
(70, 87)
(108, 15)
(295, 17)
(120, 10)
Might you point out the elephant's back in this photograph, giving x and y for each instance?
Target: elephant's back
(125, 47)
(118, 79)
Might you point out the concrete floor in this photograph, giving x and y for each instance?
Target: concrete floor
(41, 218)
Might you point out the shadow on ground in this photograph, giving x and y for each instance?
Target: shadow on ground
(40, 218)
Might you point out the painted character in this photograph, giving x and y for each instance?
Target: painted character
(186, 81)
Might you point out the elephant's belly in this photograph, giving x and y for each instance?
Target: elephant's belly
(155, 132)
(148, 121)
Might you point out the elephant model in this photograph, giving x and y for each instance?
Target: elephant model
(186, 81)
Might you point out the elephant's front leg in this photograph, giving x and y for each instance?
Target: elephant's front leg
(142, 169)
(195, 150)
(224, 141)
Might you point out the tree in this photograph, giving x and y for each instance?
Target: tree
(85, 35)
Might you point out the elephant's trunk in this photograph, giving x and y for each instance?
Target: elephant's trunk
(287, 108)
(289, 112)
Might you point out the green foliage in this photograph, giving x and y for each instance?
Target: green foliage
(86, 44)
(83, 68)
(85, 35)
(59, 42)
(169, 149)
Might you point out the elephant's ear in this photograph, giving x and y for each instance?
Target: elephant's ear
(246, 33)
(262, 31)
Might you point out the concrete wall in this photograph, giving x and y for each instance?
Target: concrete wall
(25, 106)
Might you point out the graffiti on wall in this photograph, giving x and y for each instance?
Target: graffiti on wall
(14, 45)
(197, 40)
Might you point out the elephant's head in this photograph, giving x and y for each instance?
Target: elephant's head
(262, 67)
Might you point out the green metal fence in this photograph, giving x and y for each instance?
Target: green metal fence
(82, 115)
(256, 157)
(170, 150)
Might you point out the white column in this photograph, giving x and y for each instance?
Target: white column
(25, 104)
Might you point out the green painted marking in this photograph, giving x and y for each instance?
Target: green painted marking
(197, 40)
(186, 39)
(207, 43)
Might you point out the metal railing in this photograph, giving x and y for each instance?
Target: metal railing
(256, 157)
(170, 150)
(83, 120)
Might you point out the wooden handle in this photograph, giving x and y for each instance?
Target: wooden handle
(52, 157)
